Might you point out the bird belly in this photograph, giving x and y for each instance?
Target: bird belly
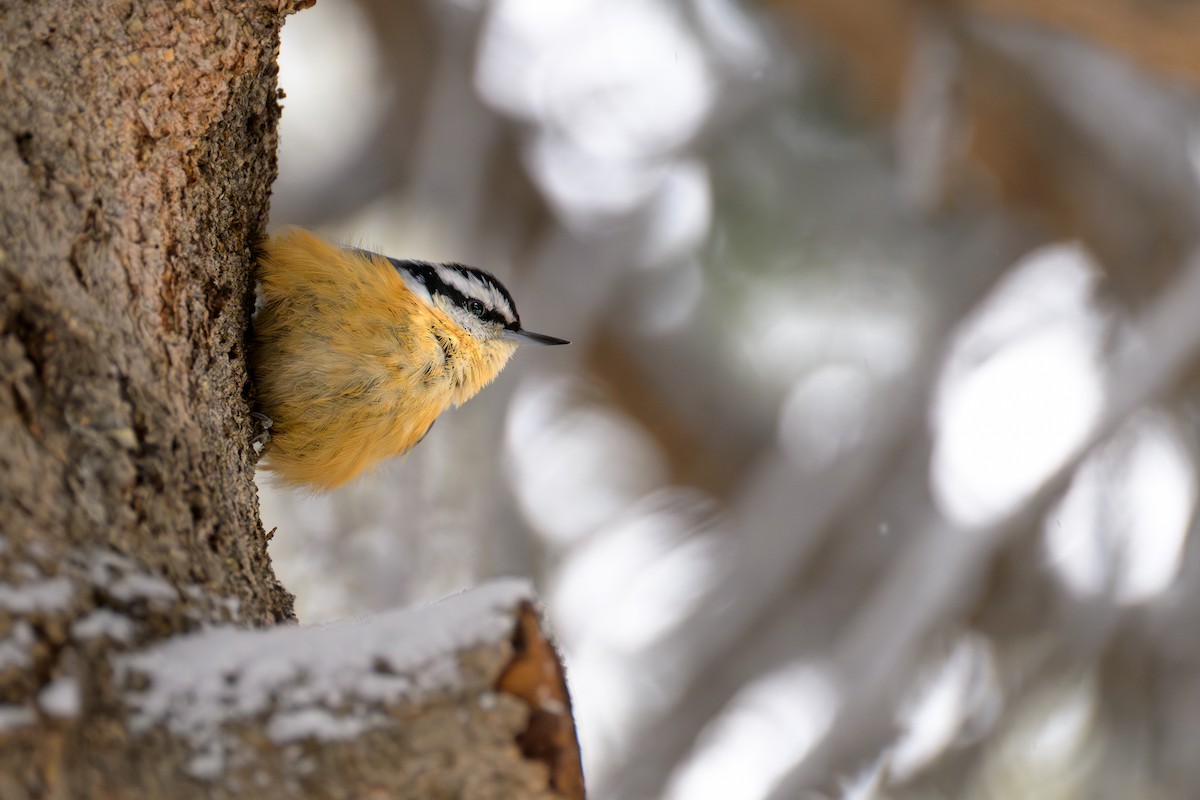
(354, 409)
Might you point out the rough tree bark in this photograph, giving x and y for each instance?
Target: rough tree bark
(137, 151)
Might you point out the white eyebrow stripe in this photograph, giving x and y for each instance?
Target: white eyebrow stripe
(470, 287)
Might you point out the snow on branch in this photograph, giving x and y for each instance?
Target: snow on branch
(337, 683)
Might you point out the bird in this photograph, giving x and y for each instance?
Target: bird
(354, 355)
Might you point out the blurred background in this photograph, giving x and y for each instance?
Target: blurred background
(870, 472)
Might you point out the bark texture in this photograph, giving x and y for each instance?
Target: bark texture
(137, 150)
(136, 161)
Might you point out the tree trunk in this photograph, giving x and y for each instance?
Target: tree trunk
(137, 152)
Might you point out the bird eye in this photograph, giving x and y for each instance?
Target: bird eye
(475, 307)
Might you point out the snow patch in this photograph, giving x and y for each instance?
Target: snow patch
(60, 698)
(312, 682)
(12, 717)
(314, 723)
(140, 586)
(103, 623)
(14, 650)
(47, 595)
(207, 765)
(103, 565)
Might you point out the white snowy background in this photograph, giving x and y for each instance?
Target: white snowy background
(831, 489)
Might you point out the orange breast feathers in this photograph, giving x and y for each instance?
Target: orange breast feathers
(350, 365)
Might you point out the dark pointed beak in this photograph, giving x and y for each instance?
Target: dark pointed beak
(536, 338)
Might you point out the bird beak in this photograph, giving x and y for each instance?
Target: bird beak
(536, 338)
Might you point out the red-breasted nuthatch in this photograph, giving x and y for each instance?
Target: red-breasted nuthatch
(355, 354)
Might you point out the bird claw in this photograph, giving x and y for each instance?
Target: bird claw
(263, 423)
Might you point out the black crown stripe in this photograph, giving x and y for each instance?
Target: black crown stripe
(427, 274)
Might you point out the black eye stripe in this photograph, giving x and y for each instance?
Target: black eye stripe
(488, 280)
